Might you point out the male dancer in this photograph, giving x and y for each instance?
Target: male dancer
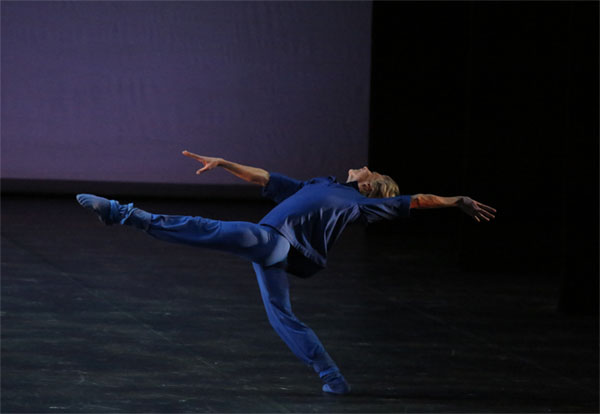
(293, 238)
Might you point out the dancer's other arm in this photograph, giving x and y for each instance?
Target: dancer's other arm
(251, 174)
(469, 206)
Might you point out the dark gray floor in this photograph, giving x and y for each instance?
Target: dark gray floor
(106, 319)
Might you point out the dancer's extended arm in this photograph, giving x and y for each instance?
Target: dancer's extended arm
(469, 206)
(251, 174)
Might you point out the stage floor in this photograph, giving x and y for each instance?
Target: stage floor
(106, 320)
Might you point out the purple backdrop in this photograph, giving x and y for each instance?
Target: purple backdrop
(113, 91)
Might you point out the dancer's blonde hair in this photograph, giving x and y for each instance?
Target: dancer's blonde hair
(384, 187)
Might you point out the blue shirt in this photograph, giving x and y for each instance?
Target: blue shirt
(312, 214)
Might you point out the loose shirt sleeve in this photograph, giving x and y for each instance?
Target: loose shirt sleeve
(281, 187)
(375, 209)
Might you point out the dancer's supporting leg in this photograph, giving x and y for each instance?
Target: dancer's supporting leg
(274, 289)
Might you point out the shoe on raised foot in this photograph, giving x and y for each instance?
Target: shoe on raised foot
(99, 205)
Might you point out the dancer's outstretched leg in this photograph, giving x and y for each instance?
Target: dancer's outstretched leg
(249, 240)
(304, 343)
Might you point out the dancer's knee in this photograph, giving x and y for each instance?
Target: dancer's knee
(278, 249)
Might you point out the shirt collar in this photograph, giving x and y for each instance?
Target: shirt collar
(353, 184)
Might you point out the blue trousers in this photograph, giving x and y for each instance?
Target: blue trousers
(266, 249)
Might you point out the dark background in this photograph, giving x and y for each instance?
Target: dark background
(498, 101)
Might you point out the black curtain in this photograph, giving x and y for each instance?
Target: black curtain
(498, 101)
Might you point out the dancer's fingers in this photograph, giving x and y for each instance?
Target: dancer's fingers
(487, 214)
(192, 155)
(488, 208)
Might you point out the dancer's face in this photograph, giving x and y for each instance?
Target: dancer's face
(361, 175)
(364, 177)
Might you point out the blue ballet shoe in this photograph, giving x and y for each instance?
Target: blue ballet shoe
(99, 205)
(335, 383)
(109, 211)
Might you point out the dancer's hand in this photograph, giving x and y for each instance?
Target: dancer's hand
(251, 174)
(476, 209)
(209, 162)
